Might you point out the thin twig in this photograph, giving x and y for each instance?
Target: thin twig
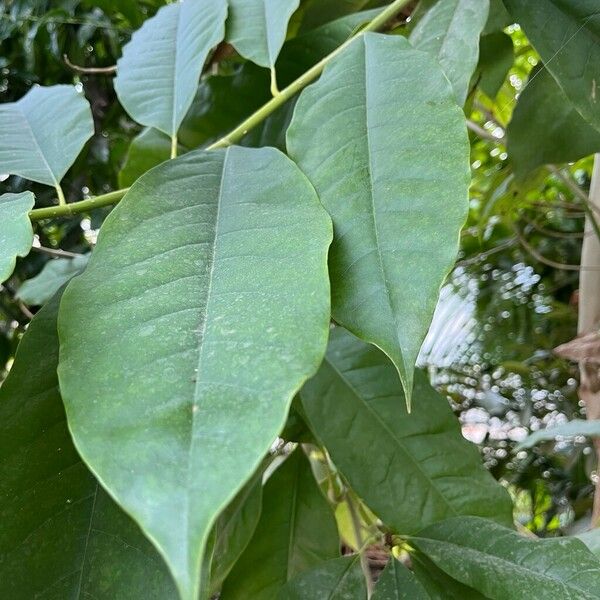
(483, 255)
(89, 70)
(56, 252)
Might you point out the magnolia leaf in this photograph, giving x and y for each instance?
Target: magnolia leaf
(296, 532)
(317, 13)
(450, 32)
(158, 74)
(496, 57)
(546, 128)
(386, 181)
(42, 134)
(398, 583)
(566, 36)
(56, 272)
(574, 428)
(336, 579)
(208, 294)
(62, 536)
(16, 232)
(591, 539)
(419, 468)
(503, 565)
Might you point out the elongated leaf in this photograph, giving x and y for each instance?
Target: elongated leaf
(42, 134)
(419, 468)
(498, 19)
(16, 233)
(450, 32)
(385, 180)
(496, 57)
(505, 566)
(337, 579)
(158, 74)
(61, 535)
(39, 289)
(257, 28)
(320, 12)
(546, 127)
(398, 583)
(296, 532)
(576, 427)
(208, 295)
(566, 35)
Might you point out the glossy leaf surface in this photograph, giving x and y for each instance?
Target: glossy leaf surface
(16, 233)
(398, 583)
(61, 535)
(419, 468)
(42, 134)
(385, 181)
(208, 293)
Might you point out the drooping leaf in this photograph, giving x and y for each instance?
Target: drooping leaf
(498, 18)
(496, 57)
(450, 32)
(56, 272)
(398, 583)
(296, 532)
(158, 74)
(385, 180)
(208, 294)
(16, 233)
(419, 469)
(546, 128)
(336, 579)
(506, 566)
(61, 535)
(574, 428)
(42, 134)
(566, 36)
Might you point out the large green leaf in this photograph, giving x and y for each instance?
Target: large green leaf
(56, 272)
(296, 531)
(566, 33)
(158, 74)
(42, 134)
(506, 566)
(398, 583)
(208, 295)
(450, 32)
(591, 539)
(386, 179)
(61, 535)
(546, 128)
(419, 469)
(16, 233)
(336, 579)
(576, 427)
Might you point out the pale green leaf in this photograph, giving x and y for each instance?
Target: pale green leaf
(450, 32)
(61, 535)
(546, 128)
(506, 566)
(387, 180)
(16, 233)
(296, 532)
(336, 579)
(419, 469)
(574, 428)
(158, 74)
(42, 134)
(398, 583)
(591, 539)
(565, 33)
(55, 273)
(208, 296)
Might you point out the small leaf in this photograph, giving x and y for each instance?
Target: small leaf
(158, 74)
(506, 566)
(496, 57)
(566, 36)
(450, 32)
(576, 427)
(61, 536)
(42, 134)
(385, 181)
(398, 583)
(16, 233)
(337, 579)
(56, 272)
(546, 128)
(296, 532)
(419, 468)
(208, 294)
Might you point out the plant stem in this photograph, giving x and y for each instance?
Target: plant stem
(357, 527)
(174, 146)
(60, 194)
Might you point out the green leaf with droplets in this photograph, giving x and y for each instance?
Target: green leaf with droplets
(396, 188)
(209, 297)
(16, 233)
